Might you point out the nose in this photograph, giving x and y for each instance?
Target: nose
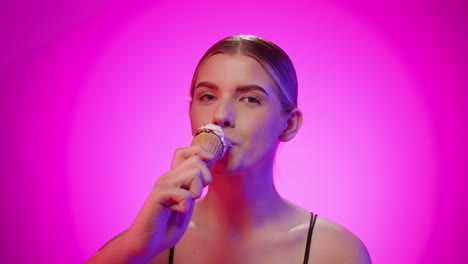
(224, 115)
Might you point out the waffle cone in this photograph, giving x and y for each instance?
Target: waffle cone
(211, 142)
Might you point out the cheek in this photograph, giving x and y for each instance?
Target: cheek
(264, 130)
(198, 118)
(263, 144)
(193, 120)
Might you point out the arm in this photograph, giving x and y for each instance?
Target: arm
(165, 215)
(114, 251)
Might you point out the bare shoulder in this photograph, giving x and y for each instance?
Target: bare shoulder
(332, 243)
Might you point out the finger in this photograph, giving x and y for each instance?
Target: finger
(186, 153)
(207, 178)
(191, 179)
(176, 199)
(195, 186)
(195, 162)
(200, 152)
(185, 172)
(185, 206)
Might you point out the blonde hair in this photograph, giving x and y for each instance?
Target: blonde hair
(273, 59)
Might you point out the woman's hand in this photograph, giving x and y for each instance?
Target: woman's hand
(166, 213)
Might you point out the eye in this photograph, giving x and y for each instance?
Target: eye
(206, 97)
(251, 100)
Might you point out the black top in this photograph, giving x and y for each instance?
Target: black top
(313, 217)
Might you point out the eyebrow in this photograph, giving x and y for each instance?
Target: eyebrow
(242, 88)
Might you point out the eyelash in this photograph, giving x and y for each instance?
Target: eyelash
(204, 97)
(208, 97)
(257, 100)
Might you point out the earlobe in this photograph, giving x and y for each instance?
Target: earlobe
(294, 123)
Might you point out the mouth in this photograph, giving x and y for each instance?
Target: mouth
(230, 145)
(230, 142)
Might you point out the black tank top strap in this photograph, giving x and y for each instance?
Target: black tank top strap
(313, 217)
(171, 255)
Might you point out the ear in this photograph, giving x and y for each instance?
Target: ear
(294, 123)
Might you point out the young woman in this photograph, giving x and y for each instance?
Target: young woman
(247, 86)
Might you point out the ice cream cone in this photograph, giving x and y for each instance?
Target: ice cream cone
(211, 142)
(211, 138)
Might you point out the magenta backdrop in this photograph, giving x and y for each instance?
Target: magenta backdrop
(94, 102)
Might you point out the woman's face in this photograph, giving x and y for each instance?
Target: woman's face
(236, 93)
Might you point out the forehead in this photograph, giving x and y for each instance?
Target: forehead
(233, 70)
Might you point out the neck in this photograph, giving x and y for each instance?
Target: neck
(241, 202)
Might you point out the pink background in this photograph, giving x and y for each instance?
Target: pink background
(94, 102)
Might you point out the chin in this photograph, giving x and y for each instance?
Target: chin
(225, 166)
(221, 169)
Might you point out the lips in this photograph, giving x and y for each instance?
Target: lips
(230, 141)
